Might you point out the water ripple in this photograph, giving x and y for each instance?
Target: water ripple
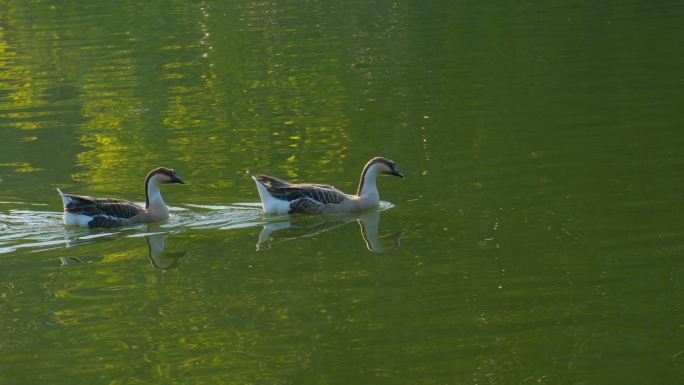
(43, 230)
(37, 230)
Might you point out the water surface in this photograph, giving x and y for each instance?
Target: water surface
(536, 238)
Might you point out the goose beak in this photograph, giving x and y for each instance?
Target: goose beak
(398, 173)
(176, 179)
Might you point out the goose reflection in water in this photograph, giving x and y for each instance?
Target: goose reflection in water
(156, 253)
(160, 258)
(293, 228)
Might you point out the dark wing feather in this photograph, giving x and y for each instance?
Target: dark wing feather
(284, 190)
(91, 206)
(105, 221)
(306, 205)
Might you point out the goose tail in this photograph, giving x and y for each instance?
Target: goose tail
(269, 203)
(65, 198)
(264, 195)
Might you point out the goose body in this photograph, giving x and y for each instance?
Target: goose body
(87, 211)
(280, 197)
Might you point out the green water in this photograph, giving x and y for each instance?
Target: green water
(538, 236)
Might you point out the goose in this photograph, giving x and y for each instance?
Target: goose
(281, 197)
(86, 211)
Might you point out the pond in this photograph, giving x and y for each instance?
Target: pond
(537, 237)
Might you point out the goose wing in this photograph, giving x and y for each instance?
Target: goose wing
(318, 193)
(91, 206)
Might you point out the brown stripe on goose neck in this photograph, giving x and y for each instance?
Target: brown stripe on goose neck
(377, 159)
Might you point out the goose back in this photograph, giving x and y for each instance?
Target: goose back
(320, 193)
(105, 212)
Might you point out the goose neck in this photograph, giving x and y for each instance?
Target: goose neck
(153, 198)
(367, 185)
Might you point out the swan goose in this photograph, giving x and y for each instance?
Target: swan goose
(281, 197)
(86, 211)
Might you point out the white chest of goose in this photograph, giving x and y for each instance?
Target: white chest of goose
(281, 197)
(87, 211)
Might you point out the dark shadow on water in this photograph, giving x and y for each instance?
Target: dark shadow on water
(65, 261)
(287, 228)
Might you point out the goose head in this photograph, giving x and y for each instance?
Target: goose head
(162, 175)
(374, 168)
(153, 180)
(383, 166)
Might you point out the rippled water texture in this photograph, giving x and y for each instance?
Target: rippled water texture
(536, 238)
